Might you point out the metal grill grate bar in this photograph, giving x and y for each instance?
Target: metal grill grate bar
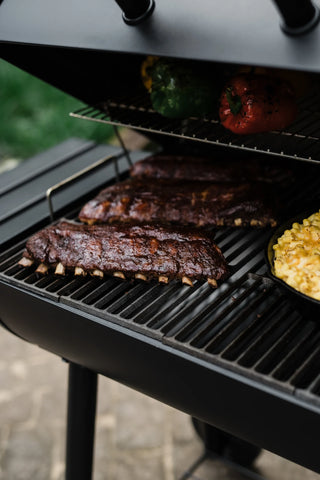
(261, 349)
(263, 320)
(281, 352)
(242, 313)
(202, 323)
(299, 352)
(308, 372)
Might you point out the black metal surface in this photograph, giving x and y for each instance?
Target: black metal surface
(300, 141)
(239, 324)
(226, 445)
(209, 459)
(246, 407)
(82, 395)
(234, 31)
(245, 325)
(196, 349)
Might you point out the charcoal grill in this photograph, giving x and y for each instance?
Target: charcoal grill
(240, 358)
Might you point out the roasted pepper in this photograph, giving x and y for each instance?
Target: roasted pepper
(146, 68)
(181, 89)
(299, 81)
(257, 103)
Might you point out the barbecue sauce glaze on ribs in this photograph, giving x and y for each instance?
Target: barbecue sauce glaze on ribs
(211, 169)
(126, 251)
(195, 203)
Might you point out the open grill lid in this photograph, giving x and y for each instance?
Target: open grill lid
(228, 32)
(234, 31)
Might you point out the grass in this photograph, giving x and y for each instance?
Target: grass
(34, 116)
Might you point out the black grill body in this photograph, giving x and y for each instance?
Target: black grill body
(239, 357)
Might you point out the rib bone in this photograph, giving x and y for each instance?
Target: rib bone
(97, 273)
(119, 275)
(42, 268)
(187, 281)
(80, 271)
(26, 262)
(60, 270)
(163, 279)
(140, 276)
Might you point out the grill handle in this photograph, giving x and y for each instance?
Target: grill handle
(299, 16)
(76, 176)
(135, 11)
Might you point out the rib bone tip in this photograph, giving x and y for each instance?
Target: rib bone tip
(140, 276)
(163, 279)
(119, 275)
(97, 273)
(187, 281)
(42, 268)
(60, 269)
(80, 271)
(25, 262)
(212, 282)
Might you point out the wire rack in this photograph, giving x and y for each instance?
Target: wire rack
(299, 141)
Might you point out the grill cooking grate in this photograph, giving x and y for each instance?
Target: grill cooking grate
(299, 141)
(246, 324)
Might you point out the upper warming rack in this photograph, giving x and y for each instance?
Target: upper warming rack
(299, 141)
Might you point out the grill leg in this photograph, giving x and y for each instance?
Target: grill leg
(82, 395)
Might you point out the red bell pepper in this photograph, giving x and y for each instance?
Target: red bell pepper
(257, 103)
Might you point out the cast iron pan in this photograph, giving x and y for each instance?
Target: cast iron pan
(307, 306)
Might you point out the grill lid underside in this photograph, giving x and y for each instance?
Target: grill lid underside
(233, 31)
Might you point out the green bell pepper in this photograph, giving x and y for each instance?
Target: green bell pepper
(179, 90)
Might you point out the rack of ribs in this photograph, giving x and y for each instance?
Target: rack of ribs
(219, 169)
(126, 251)
(171, 201)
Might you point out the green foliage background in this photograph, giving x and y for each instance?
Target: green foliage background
(35, 116)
